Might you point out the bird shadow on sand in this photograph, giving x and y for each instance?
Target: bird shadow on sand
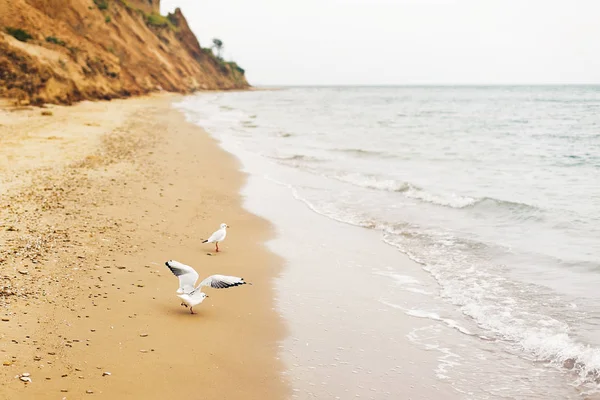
(179, 310)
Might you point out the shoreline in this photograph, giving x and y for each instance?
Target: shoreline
(338, 293)
(373, 303)
(91, 208)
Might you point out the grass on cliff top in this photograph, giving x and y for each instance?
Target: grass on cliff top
(236, 67)
(152, 20)
(19, 34)
(224, 65)
(159, 21)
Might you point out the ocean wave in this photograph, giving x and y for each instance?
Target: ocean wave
(295, 157)
(490, 301)
(362, 152)
(560, 350)
(249, 124)
(407, 189)
(399, 278)
(406, 282)
(545, 340)
(457, 201)
(448, 359)
(372, 182)
(514, 207)
(451, 200)
(448, 200)
(432, 316)
(496, 306)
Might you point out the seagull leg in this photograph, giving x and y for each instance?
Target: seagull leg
(217, 244)
(183, 304)
(192, 310)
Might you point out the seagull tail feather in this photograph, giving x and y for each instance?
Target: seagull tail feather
(206, 241)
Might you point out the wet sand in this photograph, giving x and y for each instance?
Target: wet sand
(94, 199)
(345, 295)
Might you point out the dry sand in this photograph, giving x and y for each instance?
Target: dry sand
(93, 200)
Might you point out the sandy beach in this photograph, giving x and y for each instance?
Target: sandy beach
(420, 224)
(94, 199)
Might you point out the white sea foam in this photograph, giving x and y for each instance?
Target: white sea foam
(484, 298)
(407, 189)
(399, 278)
(372, 182)
(449, 200)
(419, 291)
(447, 360)
(406, 282)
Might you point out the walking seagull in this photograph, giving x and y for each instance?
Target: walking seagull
(192, 295)
(218, 236)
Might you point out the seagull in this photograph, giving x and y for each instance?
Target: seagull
(218, 236)
(192, 295)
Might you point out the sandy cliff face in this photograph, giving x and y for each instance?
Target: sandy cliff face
(62, 51)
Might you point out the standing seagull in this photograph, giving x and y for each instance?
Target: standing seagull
(188, 276)
(218, 236)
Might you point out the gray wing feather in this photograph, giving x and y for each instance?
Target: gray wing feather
(186, 274)
(222, 281)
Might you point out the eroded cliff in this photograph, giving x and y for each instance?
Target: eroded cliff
(61, 51)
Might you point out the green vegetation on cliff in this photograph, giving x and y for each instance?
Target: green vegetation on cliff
(67, 55)
(19, 34)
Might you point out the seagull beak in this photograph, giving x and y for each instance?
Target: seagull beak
(207, 296)
(228, 226)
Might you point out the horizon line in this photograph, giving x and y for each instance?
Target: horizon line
(421, 84)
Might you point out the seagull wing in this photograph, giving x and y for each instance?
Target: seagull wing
(186, 274)
(222, 281)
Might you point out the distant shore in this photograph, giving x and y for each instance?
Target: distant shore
(94, 198)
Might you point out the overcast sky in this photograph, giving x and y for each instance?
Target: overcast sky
(403, 41)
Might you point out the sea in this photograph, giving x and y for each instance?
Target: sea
(487, 199)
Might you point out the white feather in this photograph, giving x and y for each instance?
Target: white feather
(192, 299)
(218, 236)
(186, 274)
(187, 279)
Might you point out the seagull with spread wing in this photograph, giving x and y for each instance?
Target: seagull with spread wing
(218, 236)
(192, 295)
